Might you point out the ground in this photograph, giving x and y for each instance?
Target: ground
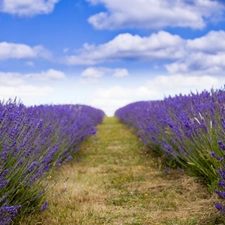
(114, 180)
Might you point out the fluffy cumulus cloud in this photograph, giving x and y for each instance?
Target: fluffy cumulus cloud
(92, 72)
(21, 51)
(50, 74)
(27, 7)
(120, 73)
(203, 55)
(97, 72)
(161, 45)
(11, 79)
(216, 38)
(175, 84)
(24, 91)
(156, 88)
(199, 63)
(20, 85)
(152, 14)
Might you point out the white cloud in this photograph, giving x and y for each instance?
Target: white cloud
(204, 56)
(210, 43)
(11, 79)
(27, 7)
(14, 79)
(174, 84)
(115, 92)
(152, 14)
(156, 88)
(120, 73)
(199, 63)
(88, 80)
(92, 72)
(21, 51)
(14, 85)
(161, 45)
(20, 85)
(24, 91)
(97, 72)
(50, 74)
(200, 56)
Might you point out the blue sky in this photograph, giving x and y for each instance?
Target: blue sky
(108, 53)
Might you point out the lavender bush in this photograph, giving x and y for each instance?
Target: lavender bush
(186, 129)
(33, 140)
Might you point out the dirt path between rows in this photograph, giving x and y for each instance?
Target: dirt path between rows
(113, 181)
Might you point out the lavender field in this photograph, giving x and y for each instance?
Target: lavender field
(188, 130)
(34, 140)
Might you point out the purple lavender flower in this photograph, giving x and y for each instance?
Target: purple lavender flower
(222, 146)
(218, 206)
(221, 194)
(183, 127)
(3, 183)
(31, 167)
(213, 154)
(221, 208)
(44, 206)
(32, 141)
(7, 213)
(221, 184)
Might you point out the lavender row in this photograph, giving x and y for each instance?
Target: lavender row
(187, 129)
(33, 140)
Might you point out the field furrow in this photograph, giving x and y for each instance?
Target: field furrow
(114, 181)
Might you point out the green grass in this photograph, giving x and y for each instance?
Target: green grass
(116, 182)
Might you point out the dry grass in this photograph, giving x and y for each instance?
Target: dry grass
(117, 183)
